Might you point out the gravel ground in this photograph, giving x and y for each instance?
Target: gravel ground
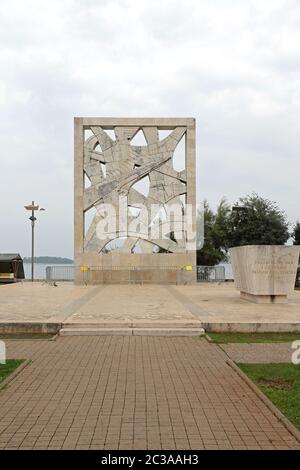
(259, 353)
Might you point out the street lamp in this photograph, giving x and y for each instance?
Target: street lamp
(33, 208)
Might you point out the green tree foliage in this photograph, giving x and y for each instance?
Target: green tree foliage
(296, 234)
(257, 222)
(215, 235)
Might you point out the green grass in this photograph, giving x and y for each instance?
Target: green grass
(281, 384)
(225, 338)
(26, 335)
(9, 367)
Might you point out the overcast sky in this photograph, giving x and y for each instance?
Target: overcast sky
(234, 65)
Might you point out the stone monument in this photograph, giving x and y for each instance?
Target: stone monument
(265, 273)
(126, 227)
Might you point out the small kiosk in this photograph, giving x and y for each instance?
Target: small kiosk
(11, 267)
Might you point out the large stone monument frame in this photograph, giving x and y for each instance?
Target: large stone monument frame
(179, 262)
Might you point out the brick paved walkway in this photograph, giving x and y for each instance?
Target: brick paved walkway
(132, 392)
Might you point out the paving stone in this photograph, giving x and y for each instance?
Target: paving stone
(93, 393)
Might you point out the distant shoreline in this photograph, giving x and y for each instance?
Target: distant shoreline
(48, 260)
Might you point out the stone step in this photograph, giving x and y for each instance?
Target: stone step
(168, 331)
(135, 324)
(132, 331)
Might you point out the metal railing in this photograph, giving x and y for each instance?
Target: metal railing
(60, 273)
(133, 275)
(120, 274)
(210, 273)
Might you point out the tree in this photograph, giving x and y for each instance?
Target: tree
(215, 235)
(257, 221)
(296, 234)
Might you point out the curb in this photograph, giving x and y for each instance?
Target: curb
(52, 338)
(250, 327)
(55, 337)
(30, 327)
(280, 416)
(14, 374)
(208, 338)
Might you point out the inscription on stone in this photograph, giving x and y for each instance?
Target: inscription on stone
(277, 268)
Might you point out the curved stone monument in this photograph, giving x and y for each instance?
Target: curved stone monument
(110, 171)
(265, 273)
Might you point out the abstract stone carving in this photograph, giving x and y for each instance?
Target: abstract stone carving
(112, 169)
(114, 166)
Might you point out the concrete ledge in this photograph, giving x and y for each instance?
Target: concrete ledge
(280, 416)
(98, 324)
(95, 332)
(169, 324)
(29, 327)
(212, 327)
(131, 332)
(135, 324)
(248, 327)
(168, 331)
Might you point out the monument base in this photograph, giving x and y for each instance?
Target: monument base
(264, 299)
(130, 268)
(265, 274)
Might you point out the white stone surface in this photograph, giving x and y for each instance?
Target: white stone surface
(265, 273)
(212, 306)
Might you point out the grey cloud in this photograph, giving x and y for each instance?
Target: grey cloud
(232, 65)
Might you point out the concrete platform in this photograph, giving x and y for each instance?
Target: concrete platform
(220, 309)
(148, 309)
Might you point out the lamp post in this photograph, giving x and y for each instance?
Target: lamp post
(33, 208)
